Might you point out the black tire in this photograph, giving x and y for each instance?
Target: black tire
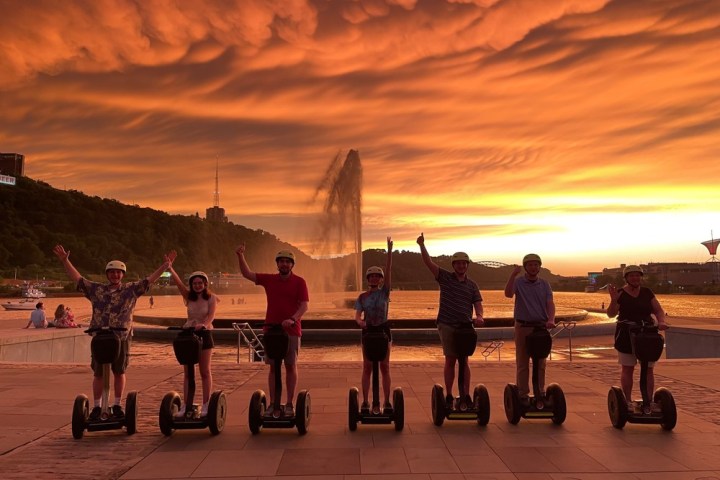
(481, 402)
(131, 413)
(81, 411)
(511, 401)
(256, 411)
(557, 396)
(617, 407)
(302, 415)
(438, 405)
(669, 410)
(353, 409)
(217, 412)
(398, 409)
(169, 406)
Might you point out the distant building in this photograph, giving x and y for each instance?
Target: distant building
(215, 214)
(12, 164)
(683, 276)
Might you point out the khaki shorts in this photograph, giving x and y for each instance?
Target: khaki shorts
(446, 339)
(630, 360)
(293, 351)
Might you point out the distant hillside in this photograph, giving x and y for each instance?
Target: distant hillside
(35, 217)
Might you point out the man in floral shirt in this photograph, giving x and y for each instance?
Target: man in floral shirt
(112, 305)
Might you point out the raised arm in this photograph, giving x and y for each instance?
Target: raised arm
(64, 257)
(184, 291)
(510, 285)
(244, 268)
(169, 259)
(388, 264)
(613, 308)
(434, 269)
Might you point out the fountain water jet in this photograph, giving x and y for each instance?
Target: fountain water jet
(340, 226)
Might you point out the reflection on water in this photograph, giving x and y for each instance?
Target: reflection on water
(403, 304)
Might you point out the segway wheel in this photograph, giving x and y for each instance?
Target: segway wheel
(511, 400)
(438, 405)
(617, 407)
(256, 411)
(131, 413)
(557, 396)
(217, 411)
(669, 411)
(302, 415)
(398, 409)
(169, 406)
(81, 411)
(481, 402)
(353, 407)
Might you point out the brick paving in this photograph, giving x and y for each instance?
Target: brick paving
(37, 442)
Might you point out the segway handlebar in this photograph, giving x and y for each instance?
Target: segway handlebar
(105, 328)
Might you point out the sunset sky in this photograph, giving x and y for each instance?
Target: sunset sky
(587, 131)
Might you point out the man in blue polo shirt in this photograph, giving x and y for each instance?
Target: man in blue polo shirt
(534, 307)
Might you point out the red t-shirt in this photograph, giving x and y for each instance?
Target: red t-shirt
(283, 298)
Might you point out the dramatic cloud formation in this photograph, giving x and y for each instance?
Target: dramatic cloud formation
(585, 130)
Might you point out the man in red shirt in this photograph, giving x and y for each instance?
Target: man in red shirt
(287, 301)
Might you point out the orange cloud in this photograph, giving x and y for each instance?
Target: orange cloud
(520, 121)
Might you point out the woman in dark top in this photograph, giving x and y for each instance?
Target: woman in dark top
(633, 305)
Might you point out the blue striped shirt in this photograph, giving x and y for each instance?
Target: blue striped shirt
(456, 298)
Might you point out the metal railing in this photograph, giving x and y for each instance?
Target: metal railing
(492, 347)
(247, 336)
(565, 325)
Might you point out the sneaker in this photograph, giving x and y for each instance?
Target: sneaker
(95, 414)
(388, 408)
(365, 408)
(204, 410)
(180, 413)
(117, 411)
(449, 399)
(289, 410)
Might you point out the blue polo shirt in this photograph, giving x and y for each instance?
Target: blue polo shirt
(531, 299)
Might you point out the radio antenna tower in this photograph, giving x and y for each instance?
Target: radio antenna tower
(216, 195)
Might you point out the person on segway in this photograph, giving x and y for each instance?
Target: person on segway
(201, 304)
(112, 305)
(633, 304)
(534, 307)
(371, 312)
(458, 296)
(287, 301)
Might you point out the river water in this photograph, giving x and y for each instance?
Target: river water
(404, 304)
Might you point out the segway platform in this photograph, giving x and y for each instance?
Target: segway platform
(548, 405)
(647, 345)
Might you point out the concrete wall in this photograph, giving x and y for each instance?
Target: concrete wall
(687, 342)
(46, 346)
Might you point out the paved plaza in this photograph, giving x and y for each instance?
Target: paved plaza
(36, 440)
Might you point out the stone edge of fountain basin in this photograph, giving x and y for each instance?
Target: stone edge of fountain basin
(352, 333)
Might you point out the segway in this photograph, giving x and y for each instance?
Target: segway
(375, 347)
(551, 404)
(647, 345)
(276, 343)
(105, 348)
(464, 408)
(188, 346)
